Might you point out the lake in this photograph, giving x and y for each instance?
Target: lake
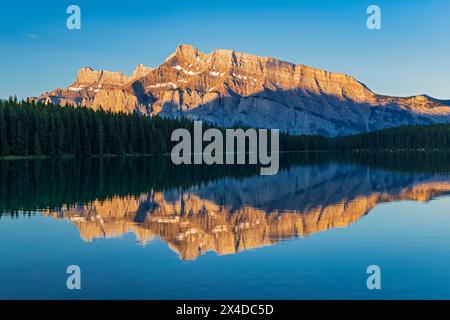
(142, 228)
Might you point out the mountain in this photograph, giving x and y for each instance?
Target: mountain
(229, 88)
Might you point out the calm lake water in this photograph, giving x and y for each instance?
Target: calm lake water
(141, 228)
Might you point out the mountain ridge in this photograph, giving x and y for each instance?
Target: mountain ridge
(230, 88)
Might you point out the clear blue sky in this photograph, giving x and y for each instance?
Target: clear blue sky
(409, 55)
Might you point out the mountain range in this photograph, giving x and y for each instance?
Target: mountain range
(228, 88)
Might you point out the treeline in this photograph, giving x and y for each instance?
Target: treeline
(29, 129)
(429, 137)
(36, 129)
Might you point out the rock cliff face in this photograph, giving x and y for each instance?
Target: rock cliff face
(229, 216)
(229, 88)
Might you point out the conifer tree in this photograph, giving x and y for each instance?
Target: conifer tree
(3, 137)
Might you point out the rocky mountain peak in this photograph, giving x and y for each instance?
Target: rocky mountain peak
(230, 88)
(140, 71)
(185, 54)
(89, 76)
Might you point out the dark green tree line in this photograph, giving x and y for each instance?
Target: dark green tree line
(29, 129)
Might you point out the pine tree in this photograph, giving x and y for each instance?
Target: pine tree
(76, 136)
(36, 145)
(3, 137)
(100, 137)
(20, 139)
(59, 135)
(159, 142)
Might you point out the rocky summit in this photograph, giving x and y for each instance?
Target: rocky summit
(229, 88)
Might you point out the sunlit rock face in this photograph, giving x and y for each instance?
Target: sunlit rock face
(229, 88)
(231, 215)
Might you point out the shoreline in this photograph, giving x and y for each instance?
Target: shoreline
(46, 157)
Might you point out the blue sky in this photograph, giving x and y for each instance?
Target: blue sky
(408, 56)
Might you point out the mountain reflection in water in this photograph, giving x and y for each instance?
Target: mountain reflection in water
(229, 213)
